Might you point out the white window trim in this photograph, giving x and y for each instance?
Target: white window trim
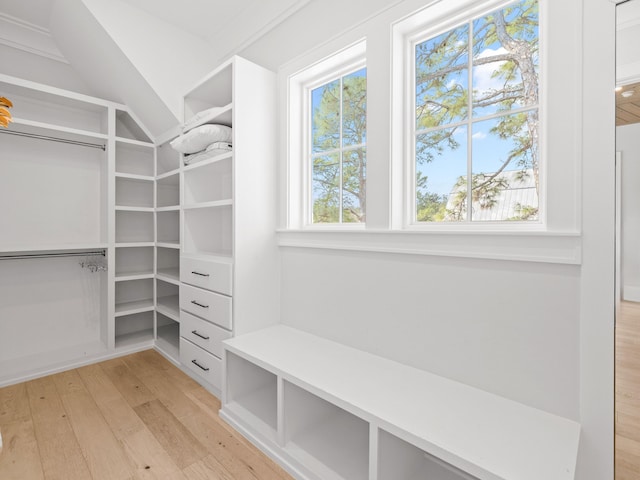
(407, 33)
(557, 241)
(300, 84)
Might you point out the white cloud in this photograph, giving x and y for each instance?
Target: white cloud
(479, 136)
(482, 81)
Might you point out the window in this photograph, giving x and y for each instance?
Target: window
(475, 146)
(337, 144)
(326, 141)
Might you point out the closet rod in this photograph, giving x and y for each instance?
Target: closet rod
(54, 139)
(51, 255)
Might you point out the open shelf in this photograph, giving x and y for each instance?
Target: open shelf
(134, 226)
(209, 182)
(214, 91)
(208, 231)
(127, 128)
(134, 296)
(168, 191)
(252, 394)
(134, 159)
(168, 264)
(134, 329)
(133, 192)
(168, 159)
(168, 226)
(54, 106)
(400, 460)
(167, 299)
(325, 438)
(168, 336)
(131, 262)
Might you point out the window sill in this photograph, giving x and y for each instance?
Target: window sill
(523, 246)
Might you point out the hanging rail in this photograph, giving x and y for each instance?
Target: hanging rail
(24, 256)
(54, 139)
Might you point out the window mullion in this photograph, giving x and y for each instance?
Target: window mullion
(340, 149)
(470, 123)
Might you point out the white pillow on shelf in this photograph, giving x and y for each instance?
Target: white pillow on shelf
(200, 137)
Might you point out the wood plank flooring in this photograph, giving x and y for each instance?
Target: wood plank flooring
(627, 451)
(133, 418)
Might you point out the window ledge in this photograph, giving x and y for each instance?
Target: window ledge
(525, 246)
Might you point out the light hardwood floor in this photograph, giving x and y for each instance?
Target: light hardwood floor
(627, 426)
(135, 417)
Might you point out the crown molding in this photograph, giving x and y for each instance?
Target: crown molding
(21, 35)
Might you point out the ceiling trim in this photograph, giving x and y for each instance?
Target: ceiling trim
(266, 28)
(26, 36)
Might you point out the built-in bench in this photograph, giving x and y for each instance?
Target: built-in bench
(328, 411)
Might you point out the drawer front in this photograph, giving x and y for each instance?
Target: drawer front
(202, 333)
(209, 274)
(211, 306)
(203, 364)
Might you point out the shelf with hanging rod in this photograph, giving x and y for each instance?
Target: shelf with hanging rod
(55, 133)
(26, 256)
(32, 250)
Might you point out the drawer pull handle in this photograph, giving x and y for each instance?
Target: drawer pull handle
(206, 369)
(201, 274)
(199, 304)
(195, 332)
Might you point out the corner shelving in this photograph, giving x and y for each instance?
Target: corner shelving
(168, 336)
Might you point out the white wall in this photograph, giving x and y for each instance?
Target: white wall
(628, 142)
(37, 68)
(538, 333)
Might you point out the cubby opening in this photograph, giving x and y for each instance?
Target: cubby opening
(127, 127)
(167, 299)
(168, 335)
(168, 191)
(59, 110)
(168, 159)
(134, 329)
(209, 231)
(134, 227)
(132, 261)
(131, 192)
(331, 442)
(134, 296)
(400, 460)
(168, 263)
(134, 159)
(168, 227)
(215, 92)
(252, 394)
(209, 183)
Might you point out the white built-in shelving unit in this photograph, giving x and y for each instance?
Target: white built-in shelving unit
(93, 181)
(228, 269)
(328, 411)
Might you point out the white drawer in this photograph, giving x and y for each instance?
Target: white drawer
(209, 274)
(202, 333)
(211, 306)
(202, 363)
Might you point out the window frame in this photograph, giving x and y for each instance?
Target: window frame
(308, 87)
(556, 240)
(300, 85)
(421, 28)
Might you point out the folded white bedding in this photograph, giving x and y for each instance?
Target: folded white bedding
(201, 137)
(215, 149)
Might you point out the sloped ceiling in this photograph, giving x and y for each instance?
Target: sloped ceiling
(144, 53)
